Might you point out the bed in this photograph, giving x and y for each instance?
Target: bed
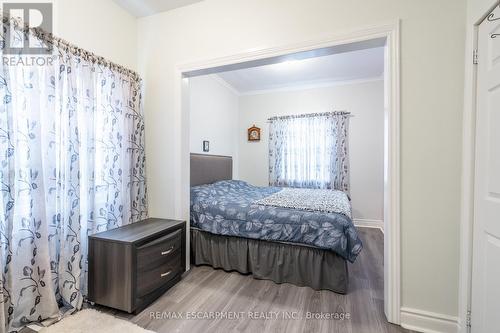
(250, 229)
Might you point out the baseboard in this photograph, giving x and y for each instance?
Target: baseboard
(367, 223)
(428, 322)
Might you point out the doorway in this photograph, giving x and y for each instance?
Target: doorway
(386, 34)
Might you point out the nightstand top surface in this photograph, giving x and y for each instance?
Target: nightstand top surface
(137, 231)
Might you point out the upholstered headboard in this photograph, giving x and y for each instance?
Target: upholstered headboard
(207, 169)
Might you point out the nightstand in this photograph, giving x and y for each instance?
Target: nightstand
(131, 266)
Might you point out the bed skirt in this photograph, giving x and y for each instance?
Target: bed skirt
(276, 261)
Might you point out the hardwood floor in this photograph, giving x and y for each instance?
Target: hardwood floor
(205, 290)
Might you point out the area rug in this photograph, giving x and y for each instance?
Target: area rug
(92, 321)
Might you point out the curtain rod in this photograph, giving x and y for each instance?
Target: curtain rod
(49, 38)
(306, 115)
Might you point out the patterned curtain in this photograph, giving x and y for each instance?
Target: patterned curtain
(310, 151)
(72, 147)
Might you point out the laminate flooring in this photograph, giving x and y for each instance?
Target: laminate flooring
(212, 300)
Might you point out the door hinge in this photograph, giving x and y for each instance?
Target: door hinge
(475, 57)
(468, 321)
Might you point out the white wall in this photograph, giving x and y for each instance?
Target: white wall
(432, 67)
(366, 134)
(99, 26)
(213, 117)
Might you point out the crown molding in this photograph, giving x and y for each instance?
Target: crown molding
(224, 83)
(311, 85)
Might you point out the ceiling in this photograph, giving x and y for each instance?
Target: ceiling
(364, 64)
(140, 8)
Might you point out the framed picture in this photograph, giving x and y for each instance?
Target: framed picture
(254, 133)
(206, 146)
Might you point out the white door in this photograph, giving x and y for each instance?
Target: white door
(486, 252)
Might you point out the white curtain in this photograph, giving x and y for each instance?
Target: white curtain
(72, 147)
(310, 151)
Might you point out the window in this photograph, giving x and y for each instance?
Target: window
(309, 151)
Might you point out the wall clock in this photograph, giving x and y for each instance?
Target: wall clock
(254, 133)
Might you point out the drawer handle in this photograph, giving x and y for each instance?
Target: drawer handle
(168, 251)
(165, 274)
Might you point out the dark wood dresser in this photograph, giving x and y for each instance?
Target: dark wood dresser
(131, 266)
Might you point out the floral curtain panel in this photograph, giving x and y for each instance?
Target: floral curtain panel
(72, 164)
(310, 151)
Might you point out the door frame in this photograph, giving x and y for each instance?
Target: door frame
(474, 19)
(392, 234)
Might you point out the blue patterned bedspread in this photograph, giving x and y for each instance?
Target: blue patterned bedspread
(228, 208)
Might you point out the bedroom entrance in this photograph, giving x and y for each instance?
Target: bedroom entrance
(234, 112)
